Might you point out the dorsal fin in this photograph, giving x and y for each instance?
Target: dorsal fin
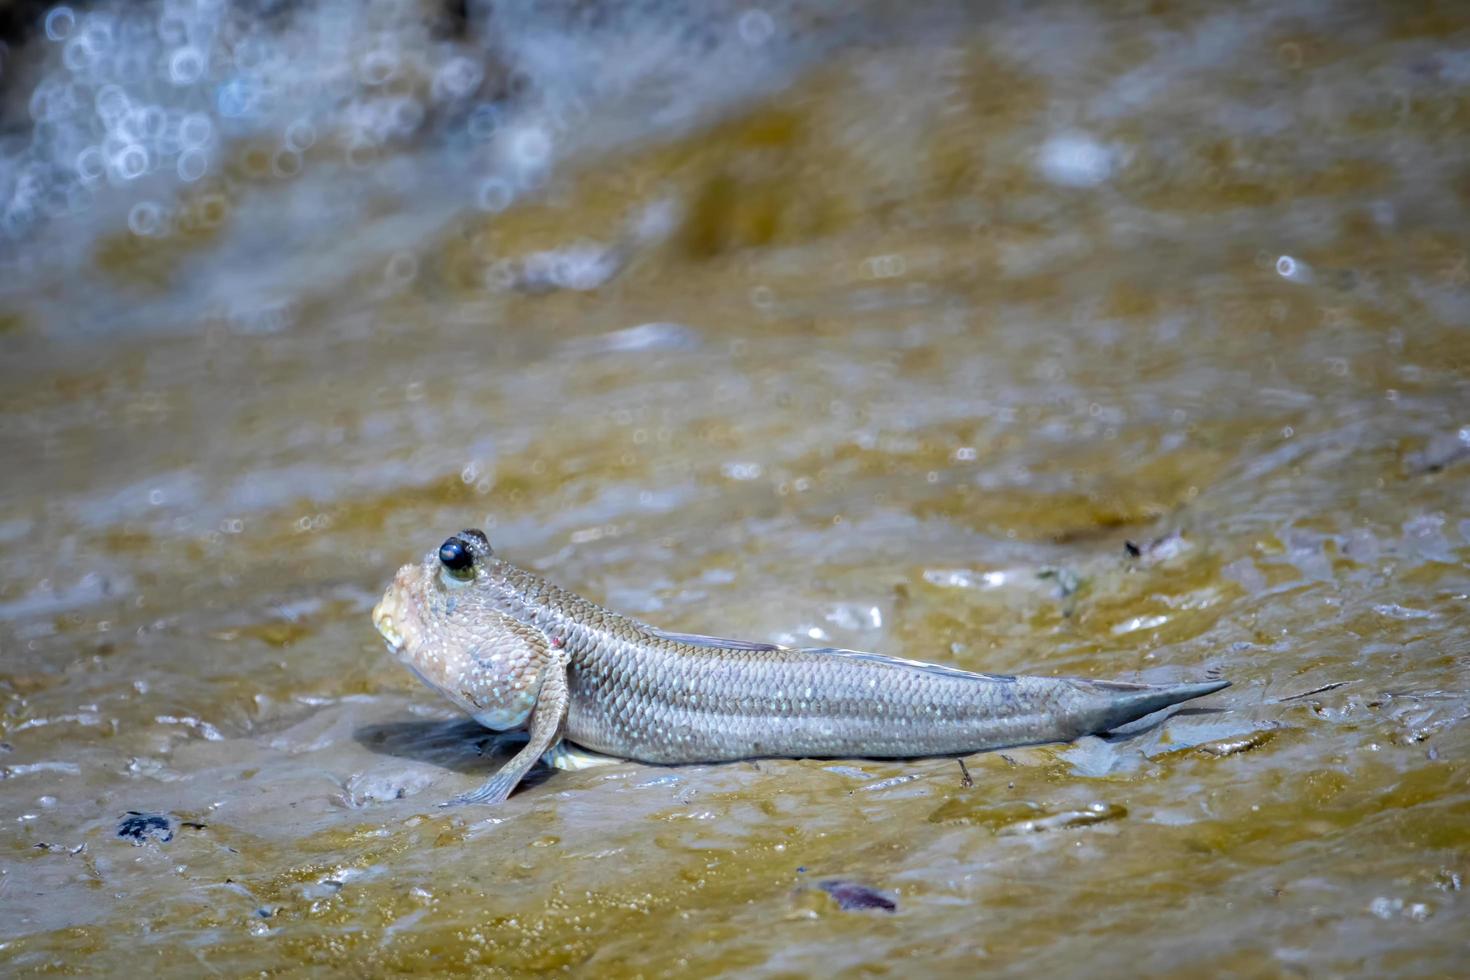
(714, 642)
(915, 664)
(724, 643)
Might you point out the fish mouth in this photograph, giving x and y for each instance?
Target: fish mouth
(387, 628)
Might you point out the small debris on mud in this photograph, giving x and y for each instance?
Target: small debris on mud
(1161, 548)
(1068, 581)
(1094, 813)
(137, 828)
(1316, 690)
(1442, 451)
(851, 896)
(1235, 746)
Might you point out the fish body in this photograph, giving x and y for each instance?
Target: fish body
(515, 651)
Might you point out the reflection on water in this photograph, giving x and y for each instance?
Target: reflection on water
(1067, 340)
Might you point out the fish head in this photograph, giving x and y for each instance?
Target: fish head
(432, 614)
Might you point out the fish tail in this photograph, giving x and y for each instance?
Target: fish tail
(1115, 704)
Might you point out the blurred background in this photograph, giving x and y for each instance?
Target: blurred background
(1124, 340)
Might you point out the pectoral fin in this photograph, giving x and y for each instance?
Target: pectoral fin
(548, 719)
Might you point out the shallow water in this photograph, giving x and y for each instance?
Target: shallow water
(891, 335)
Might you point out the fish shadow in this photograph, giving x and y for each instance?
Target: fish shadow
(462, 745)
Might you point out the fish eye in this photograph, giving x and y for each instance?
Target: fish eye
(458, 561)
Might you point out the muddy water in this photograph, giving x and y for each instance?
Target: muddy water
(1117, 344)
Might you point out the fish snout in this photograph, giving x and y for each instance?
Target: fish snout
(393, 616)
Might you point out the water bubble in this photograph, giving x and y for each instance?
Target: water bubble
(1294, 270)
(195, 130)
(483, 121)
(540, 269)
(494, 195)
(301, 135)
(286, 163)
(145, 219)
(756, 27)
(78, 198)
(885, 266)
(252, 54)
(270, 317)
(402, 269)
(186, 66)
(151, 121)
(129, 163)
(60, 22)
(255, 162)
(113, 144)
(112, 104)
(458, 78)
(211, 210)
(168, 142)
(17, 220)
(566, 113)
(78, 55)
(359, 153)
(91, 164)
(172, 30)
(129, 126)
(405, 116)
(44, 106)
(235, 99)
(32, 183)
(132, 65)
(97, 28)
(1075, 160)
(501, 276)
(378, 67)
(531, 147)
(192, 165)
(742, 471)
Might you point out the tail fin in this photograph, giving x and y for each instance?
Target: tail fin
(1119, 704)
